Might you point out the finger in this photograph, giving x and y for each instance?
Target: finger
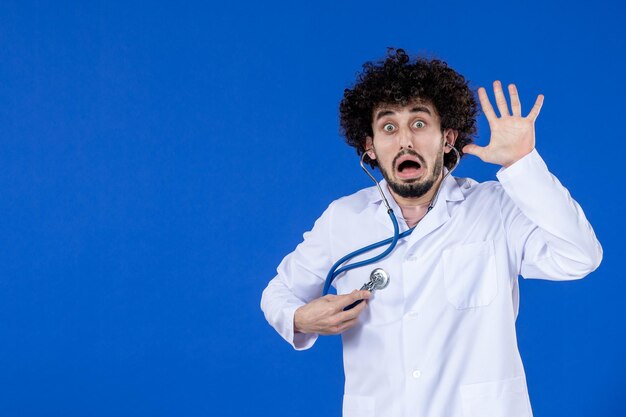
(486, 104)
(534, 112)
(347, 299)
(516, 106)
(475, 150)
(346, 315)
(503, 108)
(347, 325)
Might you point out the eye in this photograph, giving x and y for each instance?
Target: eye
(388, 127)
(419, 124)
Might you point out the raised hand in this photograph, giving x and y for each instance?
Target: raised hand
(512, 136)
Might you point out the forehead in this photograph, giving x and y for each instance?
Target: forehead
(414, 106)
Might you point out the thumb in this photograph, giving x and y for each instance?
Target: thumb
(356, 295)
(475, 150)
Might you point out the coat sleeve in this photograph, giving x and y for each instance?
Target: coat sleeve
(547, 230)
(300, 279)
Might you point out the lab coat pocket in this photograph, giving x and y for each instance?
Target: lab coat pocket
(358, 406)
(505, 398)
(469, 272)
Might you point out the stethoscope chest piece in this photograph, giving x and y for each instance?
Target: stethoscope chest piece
(379, 279)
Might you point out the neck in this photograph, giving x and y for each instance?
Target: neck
(415, 208)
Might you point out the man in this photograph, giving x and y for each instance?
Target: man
(440, 339)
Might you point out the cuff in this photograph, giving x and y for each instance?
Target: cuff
(299, 341)
(530, 163)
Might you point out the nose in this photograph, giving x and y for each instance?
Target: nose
(404, 138)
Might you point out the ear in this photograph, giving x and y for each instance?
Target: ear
(369, 144)
(450, 136)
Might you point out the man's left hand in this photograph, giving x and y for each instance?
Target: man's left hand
(512, 136)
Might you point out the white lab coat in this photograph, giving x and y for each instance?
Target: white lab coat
(440, 340)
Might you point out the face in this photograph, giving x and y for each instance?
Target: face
(408, 144)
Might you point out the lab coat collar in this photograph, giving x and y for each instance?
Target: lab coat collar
(438, 215)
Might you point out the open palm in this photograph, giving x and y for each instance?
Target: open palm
(512, 136)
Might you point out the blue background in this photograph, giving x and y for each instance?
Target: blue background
(158, 160)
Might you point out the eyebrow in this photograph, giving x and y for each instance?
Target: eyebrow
(416, 109)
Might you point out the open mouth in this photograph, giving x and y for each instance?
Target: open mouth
(408, 167)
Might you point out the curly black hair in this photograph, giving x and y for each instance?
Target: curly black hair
(399, 80)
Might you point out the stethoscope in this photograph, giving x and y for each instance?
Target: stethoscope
(379, 278)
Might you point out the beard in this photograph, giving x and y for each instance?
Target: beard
(415, 188)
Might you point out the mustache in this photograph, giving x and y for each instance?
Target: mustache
(408, 152)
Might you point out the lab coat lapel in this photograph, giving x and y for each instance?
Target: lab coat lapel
(383, 217)
(381, 212)
(440, 213)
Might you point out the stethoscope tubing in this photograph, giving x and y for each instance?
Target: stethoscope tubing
(336, 270)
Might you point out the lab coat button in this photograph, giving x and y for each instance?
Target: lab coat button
(416, 374)
(412, 314)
